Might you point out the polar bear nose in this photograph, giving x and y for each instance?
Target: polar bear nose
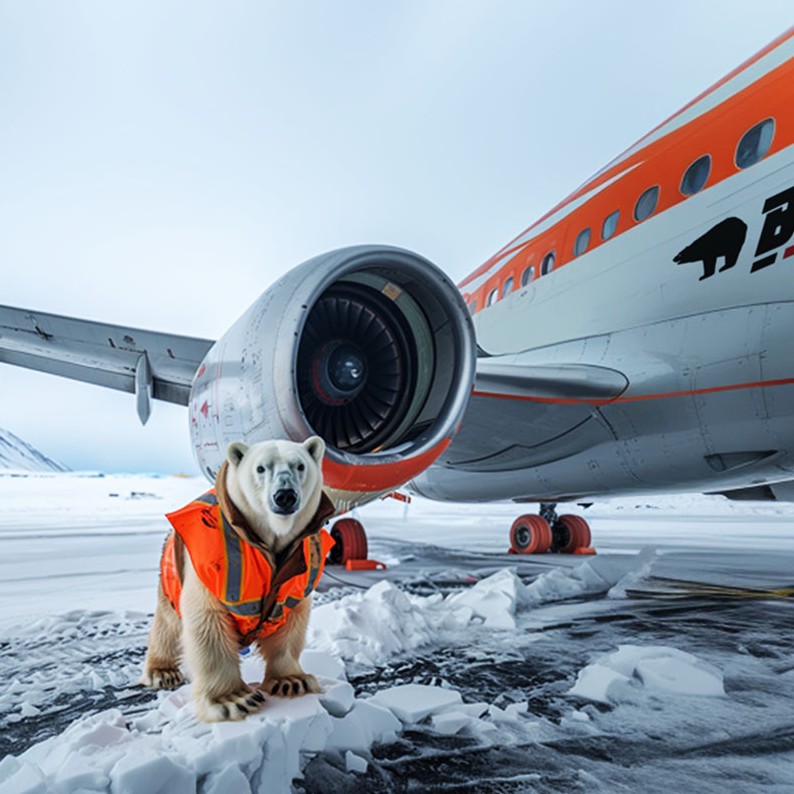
(285, 499)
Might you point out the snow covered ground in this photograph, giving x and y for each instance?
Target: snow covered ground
(662, 663)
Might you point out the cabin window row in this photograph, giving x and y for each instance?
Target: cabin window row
(752, 147)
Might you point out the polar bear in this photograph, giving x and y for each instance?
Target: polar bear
(239, 567)
(723, 240)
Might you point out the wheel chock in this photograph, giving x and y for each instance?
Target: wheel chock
(585, 550)
(400, 497)
(364, 565)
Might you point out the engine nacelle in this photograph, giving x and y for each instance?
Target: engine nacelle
(370, 347)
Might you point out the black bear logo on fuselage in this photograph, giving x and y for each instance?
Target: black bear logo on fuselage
(723, 240)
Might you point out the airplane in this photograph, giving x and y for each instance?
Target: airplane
(635, 339)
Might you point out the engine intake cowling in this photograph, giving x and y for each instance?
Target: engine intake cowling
(370, 347)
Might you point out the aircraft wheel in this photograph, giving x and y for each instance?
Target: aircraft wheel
(351, 541)
(569, 533)
(530, 534)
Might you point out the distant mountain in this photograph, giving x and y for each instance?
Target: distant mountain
(17, 455)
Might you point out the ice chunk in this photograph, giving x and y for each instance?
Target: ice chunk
(337, 697)
(149, 773)
(558, 584)
(493, 599)
(81, 771)
(518, 708)
(229, 779)
(654, 668)
(509, 713)
(472, 709)
(241, 741)
(414, 702)
(680, 676)
(596, 682)
(8, 766)
(27, 779)
(449, 722)
(355, 763)
(365, 724)
(367, 628)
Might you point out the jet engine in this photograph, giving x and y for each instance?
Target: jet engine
(369, 347)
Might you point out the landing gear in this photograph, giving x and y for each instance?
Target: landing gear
(351, 541)
(570, 533)
(566, 534)
(530, 534)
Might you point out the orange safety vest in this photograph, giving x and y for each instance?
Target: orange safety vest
(238, 573)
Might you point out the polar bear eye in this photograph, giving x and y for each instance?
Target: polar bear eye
(301, 467)
(260, 469)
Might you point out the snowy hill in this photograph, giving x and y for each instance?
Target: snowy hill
(17, 455)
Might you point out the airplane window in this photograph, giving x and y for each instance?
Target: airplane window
(610, 224)
(696, 175)
(547, 265)
(492, 297)
(755, 143)
(472, 307)
(582, 242)
(646, 203)
(527, 275)
(508, 287)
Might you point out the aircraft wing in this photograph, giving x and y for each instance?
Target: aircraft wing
(149, 364)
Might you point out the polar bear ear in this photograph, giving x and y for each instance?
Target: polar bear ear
(315, 446)
(235, 452)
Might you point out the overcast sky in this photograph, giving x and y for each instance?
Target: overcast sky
(161, 163)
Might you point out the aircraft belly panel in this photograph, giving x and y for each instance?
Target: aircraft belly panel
(501, 434)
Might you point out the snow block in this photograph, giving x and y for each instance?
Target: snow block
(229, 779)
(655, 669)
(337, 697)
(493, 599)
(26, 779)
(355, 763)
(450, 722)
(369, 627)
(365, 724)
(413, 702)
(471, 709)
(81, 771)
(9, 766)
(149, 773)
(510, 713)
(598, 683)
(680, 676)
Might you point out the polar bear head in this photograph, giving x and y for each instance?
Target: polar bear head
(276, 485)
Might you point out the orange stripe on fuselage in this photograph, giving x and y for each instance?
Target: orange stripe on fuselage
(761, 384)
(662, 162)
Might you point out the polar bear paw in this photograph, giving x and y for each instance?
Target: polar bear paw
(163, 678)
(290, 686)
(235, 705)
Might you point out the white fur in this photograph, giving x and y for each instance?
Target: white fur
(206, 635)
(252, 490)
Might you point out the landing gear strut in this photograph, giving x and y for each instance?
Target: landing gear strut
(536, 534)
